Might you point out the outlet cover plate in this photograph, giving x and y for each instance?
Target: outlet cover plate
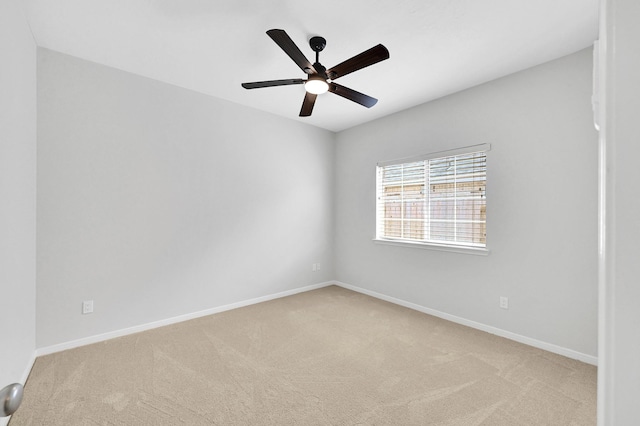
(87, 307)
(504, 302)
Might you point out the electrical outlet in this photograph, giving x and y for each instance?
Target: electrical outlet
(314, 267)
(504, 302)
(87, 307)
(317, 266)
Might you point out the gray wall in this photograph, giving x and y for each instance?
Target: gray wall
(541, 205)
(155, 201)
(17, 193)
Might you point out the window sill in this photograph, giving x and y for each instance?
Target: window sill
(431, 246)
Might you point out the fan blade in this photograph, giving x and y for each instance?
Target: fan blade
(283, 40)
(307, 104)
(271, 83)
(368, 57)
(352, 95)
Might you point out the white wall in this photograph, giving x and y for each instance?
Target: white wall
(619, 372)
(17, 193)
(541, 206)
(155, 201)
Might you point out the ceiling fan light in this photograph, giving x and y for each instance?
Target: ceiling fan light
(317, 86)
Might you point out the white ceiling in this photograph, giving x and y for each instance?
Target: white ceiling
(436, 47)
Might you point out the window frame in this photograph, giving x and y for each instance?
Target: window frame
(431, 245)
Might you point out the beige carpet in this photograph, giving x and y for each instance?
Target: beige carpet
(325, 357)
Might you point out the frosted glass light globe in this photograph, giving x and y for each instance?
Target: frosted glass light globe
(317, 86)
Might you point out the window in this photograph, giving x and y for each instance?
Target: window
(437, 199)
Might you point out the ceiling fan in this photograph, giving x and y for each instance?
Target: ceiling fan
(319, 79)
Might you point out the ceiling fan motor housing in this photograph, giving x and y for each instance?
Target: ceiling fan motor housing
(317, 43)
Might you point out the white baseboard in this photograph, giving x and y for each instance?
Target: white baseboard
(569, 353)
(27, 370)
(161, 323)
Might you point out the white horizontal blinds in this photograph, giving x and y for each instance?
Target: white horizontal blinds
(457, 202)
(439, 200)
(401, 201)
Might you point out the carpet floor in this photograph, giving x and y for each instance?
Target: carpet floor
(325, 357)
